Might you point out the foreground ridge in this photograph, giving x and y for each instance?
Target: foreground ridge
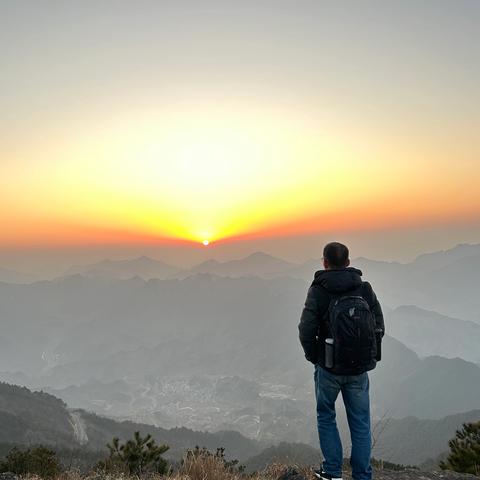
(303, 473)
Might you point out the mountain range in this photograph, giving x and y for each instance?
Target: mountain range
(427, 282)
(143, 267)
(12, 276)
(211, 325)
(215, 348)
(257, 264)
(36, 417)
(429, 333)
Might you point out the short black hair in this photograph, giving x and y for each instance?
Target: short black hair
(336, 254)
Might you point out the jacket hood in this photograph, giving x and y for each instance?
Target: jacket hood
(338, 281)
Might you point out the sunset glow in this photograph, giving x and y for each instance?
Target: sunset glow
(226, 177)
(176, 152)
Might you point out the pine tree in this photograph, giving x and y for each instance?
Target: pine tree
(41, 461)
(464, 454)
(136, 456)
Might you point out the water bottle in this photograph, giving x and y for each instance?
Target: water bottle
(378, 339)
(329, 352)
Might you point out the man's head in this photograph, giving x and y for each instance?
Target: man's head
(335, 256)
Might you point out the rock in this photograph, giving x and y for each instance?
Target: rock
(291, 474)
(414, 474)
(409, 474)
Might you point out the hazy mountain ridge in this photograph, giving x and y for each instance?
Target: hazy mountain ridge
(34, 417)
(67, 310)
(412, 440)
(443, 258)
(443, 281)
(427, 282)
(430, 333)
(263, 411)
(402, 385)
(13, 276)
(143, 267)
(221, 352)
(429, 388)
(256, 264)
(406, 440)
(203, 324)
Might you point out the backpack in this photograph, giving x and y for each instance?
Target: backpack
(352, 328)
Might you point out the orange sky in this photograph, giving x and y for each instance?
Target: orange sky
(233, 122)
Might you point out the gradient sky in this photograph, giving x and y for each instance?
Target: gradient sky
(139, 122)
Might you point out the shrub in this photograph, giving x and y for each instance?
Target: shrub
(382, 464)
(199, 463)
(39, 461)
(464, 454)
(135, 457)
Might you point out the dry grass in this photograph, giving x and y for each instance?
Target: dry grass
(275, 470)
(201, 466)
(194, 468)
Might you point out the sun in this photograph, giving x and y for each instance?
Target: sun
(206, 243)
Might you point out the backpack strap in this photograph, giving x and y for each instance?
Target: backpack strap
(334, 298)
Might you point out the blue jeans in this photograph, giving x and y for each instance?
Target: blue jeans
(355, 396)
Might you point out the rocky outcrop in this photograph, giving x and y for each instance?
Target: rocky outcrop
(294, 474)
(420, 475)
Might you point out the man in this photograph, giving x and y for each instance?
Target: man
(340, 330)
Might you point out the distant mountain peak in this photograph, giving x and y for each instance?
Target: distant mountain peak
(142, 266)
(258, 263)
(439, 257)
(260, 254)
(144, 258)
(209, 262)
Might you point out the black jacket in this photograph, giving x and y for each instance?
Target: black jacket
(328, 284)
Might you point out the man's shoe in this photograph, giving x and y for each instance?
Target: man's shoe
(325, 476)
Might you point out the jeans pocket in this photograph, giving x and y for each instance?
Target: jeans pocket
(358, 382)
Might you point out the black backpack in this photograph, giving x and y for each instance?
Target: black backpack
(352, 328)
